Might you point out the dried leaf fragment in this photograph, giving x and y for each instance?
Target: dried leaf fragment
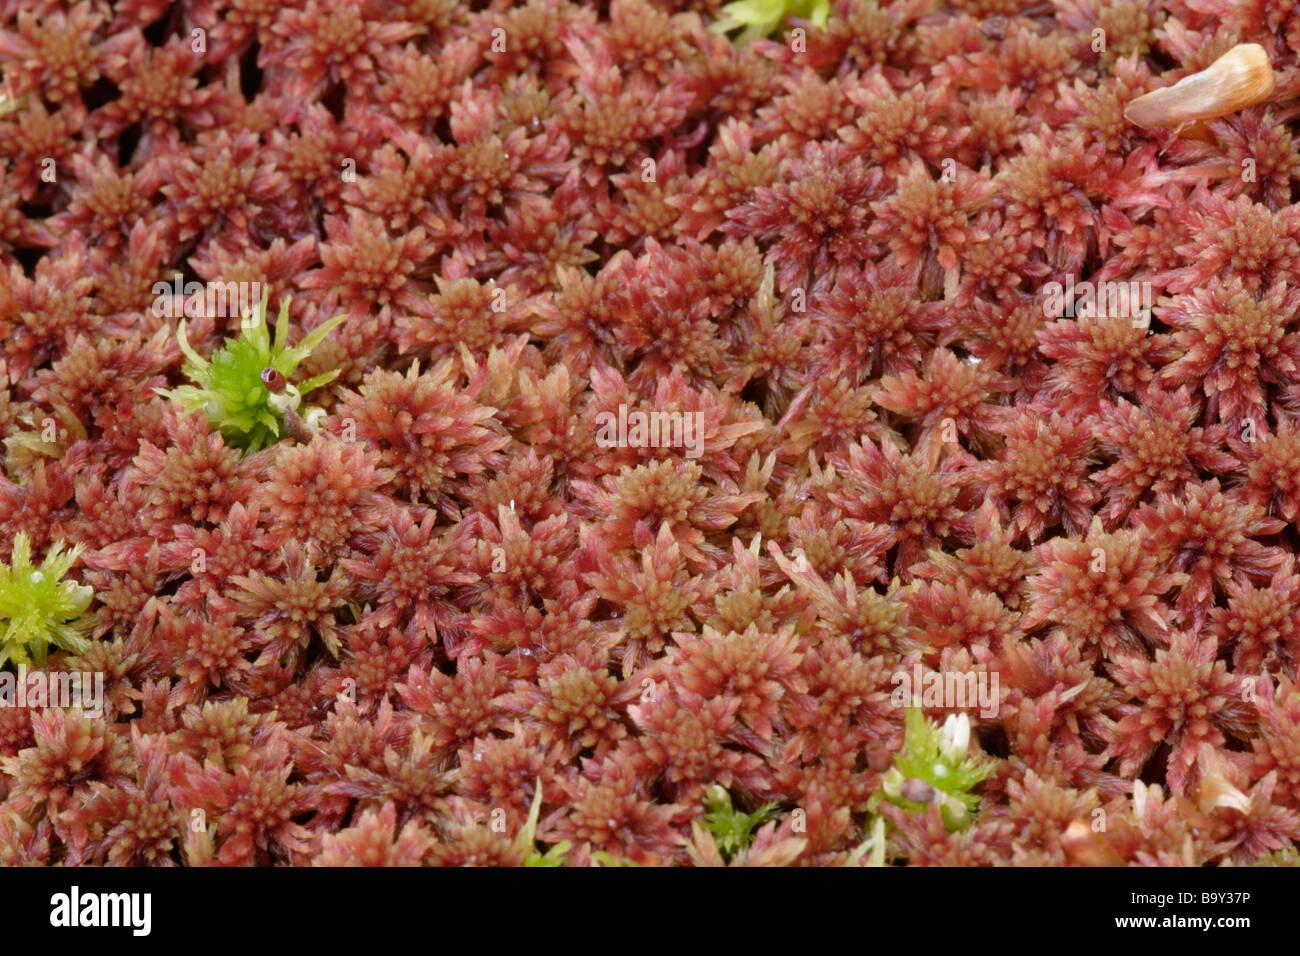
(1240, 78)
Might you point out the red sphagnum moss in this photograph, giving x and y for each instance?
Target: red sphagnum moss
(691, 394)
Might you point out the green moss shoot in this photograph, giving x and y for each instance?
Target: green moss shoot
(934, 767)
(230, 388)
(760, 18)
(732, 830)
(39, 609)
(528, 838)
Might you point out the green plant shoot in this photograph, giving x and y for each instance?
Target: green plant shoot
(760, 18)
(934, 767)
(246, 388)
(38, 608)
(528, 837)
(732, 829)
